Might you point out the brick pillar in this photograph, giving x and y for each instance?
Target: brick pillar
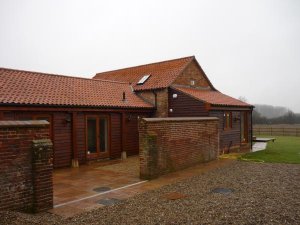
(148, 156)
(42, 169)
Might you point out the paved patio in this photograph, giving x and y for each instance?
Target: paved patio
(99, 184)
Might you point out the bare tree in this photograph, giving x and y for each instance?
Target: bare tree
(243, 99)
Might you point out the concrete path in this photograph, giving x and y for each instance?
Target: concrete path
(259, 146)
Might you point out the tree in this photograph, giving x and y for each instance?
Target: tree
(257, 118)
(243, 99)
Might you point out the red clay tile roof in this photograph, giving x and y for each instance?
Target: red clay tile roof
(212, 97)
(162, 73)
(24, 87)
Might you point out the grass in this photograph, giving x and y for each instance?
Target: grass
(285, 149)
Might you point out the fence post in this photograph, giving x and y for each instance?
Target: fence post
(271, 131)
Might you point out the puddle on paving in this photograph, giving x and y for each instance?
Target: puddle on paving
(108, 201)
(101, 189)
(224, 191)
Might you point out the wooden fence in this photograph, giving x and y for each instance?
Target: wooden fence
(277, 131)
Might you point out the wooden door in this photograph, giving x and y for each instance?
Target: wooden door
(97, 137)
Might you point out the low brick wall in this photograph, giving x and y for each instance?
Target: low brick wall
(170, 144)
(25, 166)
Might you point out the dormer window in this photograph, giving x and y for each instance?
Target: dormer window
(192, 82)
(143, 79)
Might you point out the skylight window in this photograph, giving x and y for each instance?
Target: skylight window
(143, 79)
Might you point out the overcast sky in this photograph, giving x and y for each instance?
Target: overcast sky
(247, 48)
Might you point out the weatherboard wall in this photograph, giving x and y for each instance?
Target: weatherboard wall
(120, 138)
(182, 105)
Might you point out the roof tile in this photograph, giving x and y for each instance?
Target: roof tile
(24, 87)
(162, 73)
(212, 97)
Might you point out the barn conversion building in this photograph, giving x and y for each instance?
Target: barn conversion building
(98, 118)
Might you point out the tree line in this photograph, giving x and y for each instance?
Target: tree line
(288, 118)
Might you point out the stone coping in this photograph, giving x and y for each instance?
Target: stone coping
(25, 123)
(180, 119)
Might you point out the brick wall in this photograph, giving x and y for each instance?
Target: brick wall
(161, 101)
(193, 72)
(170, 144)
(25, 166)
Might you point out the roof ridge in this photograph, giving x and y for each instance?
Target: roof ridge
(147, 64)
(66, 76)
(195, 88)
(111, 81)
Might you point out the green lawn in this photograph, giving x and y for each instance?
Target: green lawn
(285, 149)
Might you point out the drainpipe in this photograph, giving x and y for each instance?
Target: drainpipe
(155, 100)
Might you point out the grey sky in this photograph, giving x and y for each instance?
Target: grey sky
(247, 48)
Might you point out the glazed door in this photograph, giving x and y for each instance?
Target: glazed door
(97, 137)
(244, 127)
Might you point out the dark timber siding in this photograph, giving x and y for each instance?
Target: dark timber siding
(249, 127)
(231, 137)
(81, 145)
(115, 145)
(62, 139)
(131, 145)
(62, 133)
(185, 105)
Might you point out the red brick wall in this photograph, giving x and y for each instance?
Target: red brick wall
(25, 166)
(170, 144)
(161, 101)
(192, 72)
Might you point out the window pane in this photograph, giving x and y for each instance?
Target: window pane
(92, 135)
(228, 120)
(103, 135)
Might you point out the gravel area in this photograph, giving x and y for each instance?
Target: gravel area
(262, 194)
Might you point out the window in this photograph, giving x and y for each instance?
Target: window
(143, 79)
(97, 136)
(227, 120)
(192, 82)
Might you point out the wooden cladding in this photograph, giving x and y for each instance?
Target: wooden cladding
(182, 105)
(68, 145)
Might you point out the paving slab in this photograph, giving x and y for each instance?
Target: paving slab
(82, 197)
